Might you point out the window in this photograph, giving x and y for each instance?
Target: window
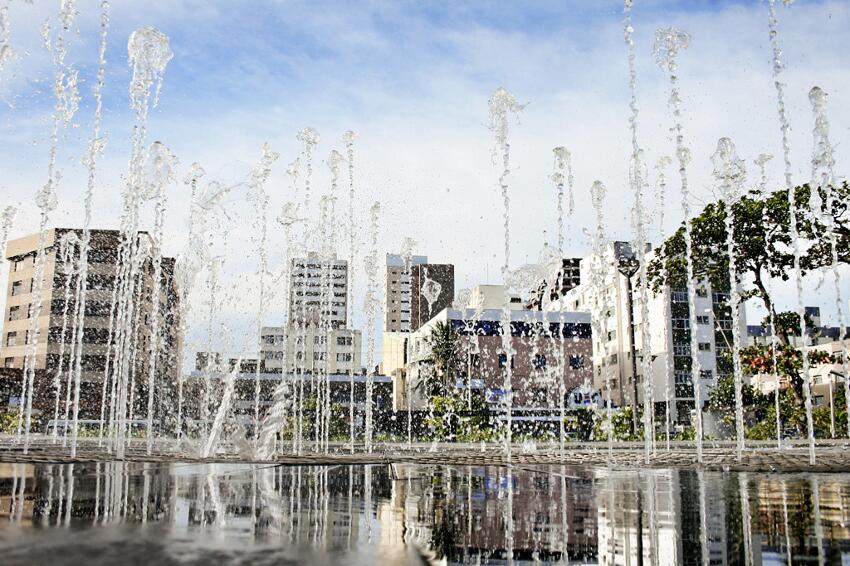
(612, 334)
(318, 356)
(703, 319)
(343, 357)
(681, 349)
(706, 374)
(503, 358)
(344, 341)
(704, 346)
(9, 362)
(539, 361)
(702, 292)
(14, 313)
(269, 339)
(17, 287)
(576, 361)
(12, 339)
(475, 360)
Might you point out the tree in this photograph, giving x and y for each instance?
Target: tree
(722, 397)
(444, 343)
(759, 359)
(762, 243)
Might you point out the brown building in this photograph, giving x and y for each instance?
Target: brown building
(432, 289)
(56, 334)
(549, 349)
(397, 291)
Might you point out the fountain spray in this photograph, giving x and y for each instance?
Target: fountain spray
(348, 140)
(371, 308)
(730, 172)
(562, 162)
(165, 163)
(502, 104)
(97, 144)
(823, 180)
(283, 395)
(67, 102)
(149, 53)
(760, 162)
(598, 282)
(668, 43)
(259, 176)
(661, 190)
(637, 180)
(784, 128)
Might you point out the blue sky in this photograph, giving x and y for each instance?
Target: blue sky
(413, 78)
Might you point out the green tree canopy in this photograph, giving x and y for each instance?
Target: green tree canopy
(762, 244)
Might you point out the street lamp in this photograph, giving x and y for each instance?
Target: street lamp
(628, 265)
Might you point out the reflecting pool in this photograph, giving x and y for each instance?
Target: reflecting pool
(416, 514)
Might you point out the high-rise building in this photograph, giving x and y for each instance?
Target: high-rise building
(397, 289)
(560, 279)
(318, 291)
(432, 289)
(616, 297)
(56, 334)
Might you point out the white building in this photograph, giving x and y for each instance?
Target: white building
(318, 291)
(310, 349)
(669, 328)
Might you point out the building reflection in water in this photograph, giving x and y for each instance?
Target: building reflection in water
(465, 514)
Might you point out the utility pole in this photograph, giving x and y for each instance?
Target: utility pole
(627, 265)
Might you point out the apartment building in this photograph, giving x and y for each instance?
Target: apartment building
(560, 279)
(56, 319)
(615, 302)
(551, 353)
(310, 349)
(318, 291)
(397, 290)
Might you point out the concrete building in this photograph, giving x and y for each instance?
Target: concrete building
(310, 349)
(53, 350)
(669, 326)
(817, 332)
(432, 289)
(486, 297)
(397, 291)
(549, 349)
(318, 291)
(561, 278)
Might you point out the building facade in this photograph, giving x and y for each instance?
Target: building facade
(318, 291)
(57, 336)
(397, 291)
(614, 299)
(561, 279)
(310, 349)
(432, 289)
(551, 354)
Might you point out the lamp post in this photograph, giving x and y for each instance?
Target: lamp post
(628, 265)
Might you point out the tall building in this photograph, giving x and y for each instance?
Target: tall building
(56, 320)
(318, 291)
(561, 278)
(397, 298)
(432, 289)
(620, 327)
